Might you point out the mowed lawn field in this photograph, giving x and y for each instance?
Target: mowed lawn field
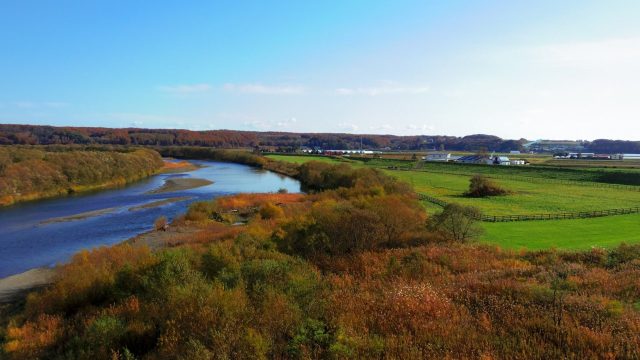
(578, 234)
(301, 159)
(527, 198)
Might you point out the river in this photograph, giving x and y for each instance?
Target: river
(43, 233)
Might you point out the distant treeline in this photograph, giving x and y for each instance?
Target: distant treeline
(614, 146)
(314, 176)
(28, 173)
(235, 156)
(280, 141)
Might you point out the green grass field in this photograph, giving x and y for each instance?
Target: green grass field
(301, 159)
(579, 234)
(526, 198)
(529, 197)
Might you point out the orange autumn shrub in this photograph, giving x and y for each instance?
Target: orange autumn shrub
(270, 211)
(87, 278)
(242, 201)
(31, 340)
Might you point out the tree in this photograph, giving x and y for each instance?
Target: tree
(480, 186)
(401, 218)
(457, 222)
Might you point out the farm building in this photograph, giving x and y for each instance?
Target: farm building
(574, 155)
(581, 155)
(472, 159)
(630, 156)
(602, 157)
(348, 152)
(438, 156)
(499, 160)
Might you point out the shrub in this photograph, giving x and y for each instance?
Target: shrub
(219, 263)
(200, 211)
(161, 223)
(624, 253)
(271, 211)
(457, 222)
(480, 186)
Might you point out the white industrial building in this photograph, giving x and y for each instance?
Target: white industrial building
(437, 156)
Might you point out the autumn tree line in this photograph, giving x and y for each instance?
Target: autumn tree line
(254, 159)
(28, 173)
(353, 269)
(13, 134)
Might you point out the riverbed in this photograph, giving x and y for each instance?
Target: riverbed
(44, 233)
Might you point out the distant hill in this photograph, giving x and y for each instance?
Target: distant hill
(280, 141)
(283, 141)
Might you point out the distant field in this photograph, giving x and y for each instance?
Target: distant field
(555, 173)
(533, 193)
(625, 164)
(526, 197)
(579, 234)
(301, 159)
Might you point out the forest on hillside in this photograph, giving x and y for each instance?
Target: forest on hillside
(281, 141)
(277, 141)
(354, 269)
(28, 173)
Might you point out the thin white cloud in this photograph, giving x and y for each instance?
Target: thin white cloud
(202, 127)
(383, 90)
(137, 119)
(25, 104)
(55, 104)
(257, 125)
(382, 127)
(185, 89)
(348, 126)
(264, 89)
(592, 54)
(287, 123)
(235, 117)
(39, 104)
(423, 127)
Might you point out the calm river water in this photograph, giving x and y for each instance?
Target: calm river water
(29, 239)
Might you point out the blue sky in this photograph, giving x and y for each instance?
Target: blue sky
(533, 69)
